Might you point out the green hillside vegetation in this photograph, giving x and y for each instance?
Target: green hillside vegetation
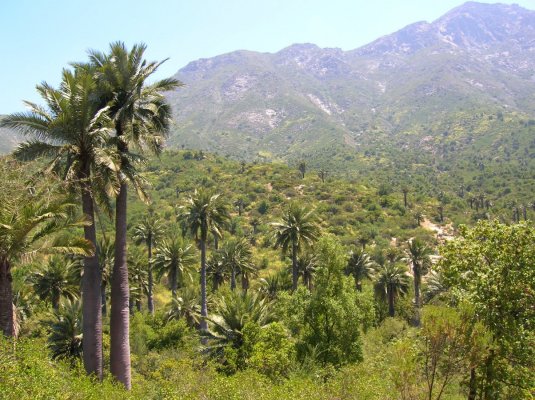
(132, 271)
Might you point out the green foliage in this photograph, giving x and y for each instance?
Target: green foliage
(332, 318)
(273, 352)
(65, 327)
(491, 267)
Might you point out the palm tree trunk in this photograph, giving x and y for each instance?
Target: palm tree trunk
(295, 272)
(150, 298)
(174, 281)
(417, 280)
(204, 306)
(103, 298)
(233, 279)
(391, 310)
(91, 296)
(472, 386)
(7, 322)
(244, 282)
(120, 316)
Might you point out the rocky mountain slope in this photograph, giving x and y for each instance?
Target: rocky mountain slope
(406, 90)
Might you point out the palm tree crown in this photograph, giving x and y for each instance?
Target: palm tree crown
(297, 230)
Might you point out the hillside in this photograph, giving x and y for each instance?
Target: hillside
(395, 93)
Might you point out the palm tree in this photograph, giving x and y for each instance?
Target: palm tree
(391, 281)
(149, 231)
(175, 258)
(302, 168)
(30, 221)
(65, 326)
(418, 254)
(418, 216)
(236, 258)
(405, 191)
(54, 281)
(185, 305)
(216, 271)
(205, 213)
(359, 266)
(322, 174)
(274, 283)
(232, 313)
(307, 264)
(435, 286)
(141, 119)
(297, 229)
(73, 132)
(138, 277)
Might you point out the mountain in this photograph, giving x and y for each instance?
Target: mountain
(419, 88)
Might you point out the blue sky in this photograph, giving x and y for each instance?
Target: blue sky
(40, 37)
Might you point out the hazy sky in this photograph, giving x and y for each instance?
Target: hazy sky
(40, 37)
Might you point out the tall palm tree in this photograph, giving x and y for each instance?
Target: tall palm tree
(73, 131)
(205, 213)
(391, 281)
(141, 119)
(297, 230)
(29, 225)
(359, 266)
(149, 231)
(418, 254)
(175, 258)
(54, 281)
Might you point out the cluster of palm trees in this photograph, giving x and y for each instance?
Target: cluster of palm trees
(298, 230)
(94, 128)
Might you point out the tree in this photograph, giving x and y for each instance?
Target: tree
(73, 131)
(30, 224)
(333, 316)
(418, 254)
(65, 338)
(322, 174)
(216, 271)
(391, 281)
(236, 257)
(405, 191)
(141, 119)
(54, 281)
(302, 168)
(174, 258)
(149, 231)
(138, 279)
(185, 305)
(359, 266)
(490, 266)
(307, 264)
(205, 213)
(232, 313)
(297, 230)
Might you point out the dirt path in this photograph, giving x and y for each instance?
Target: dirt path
(442, 233)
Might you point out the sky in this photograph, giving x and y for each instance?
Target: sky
(41, 37)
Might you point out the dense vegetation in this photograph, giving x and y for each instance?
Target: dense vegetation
(232, 280)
